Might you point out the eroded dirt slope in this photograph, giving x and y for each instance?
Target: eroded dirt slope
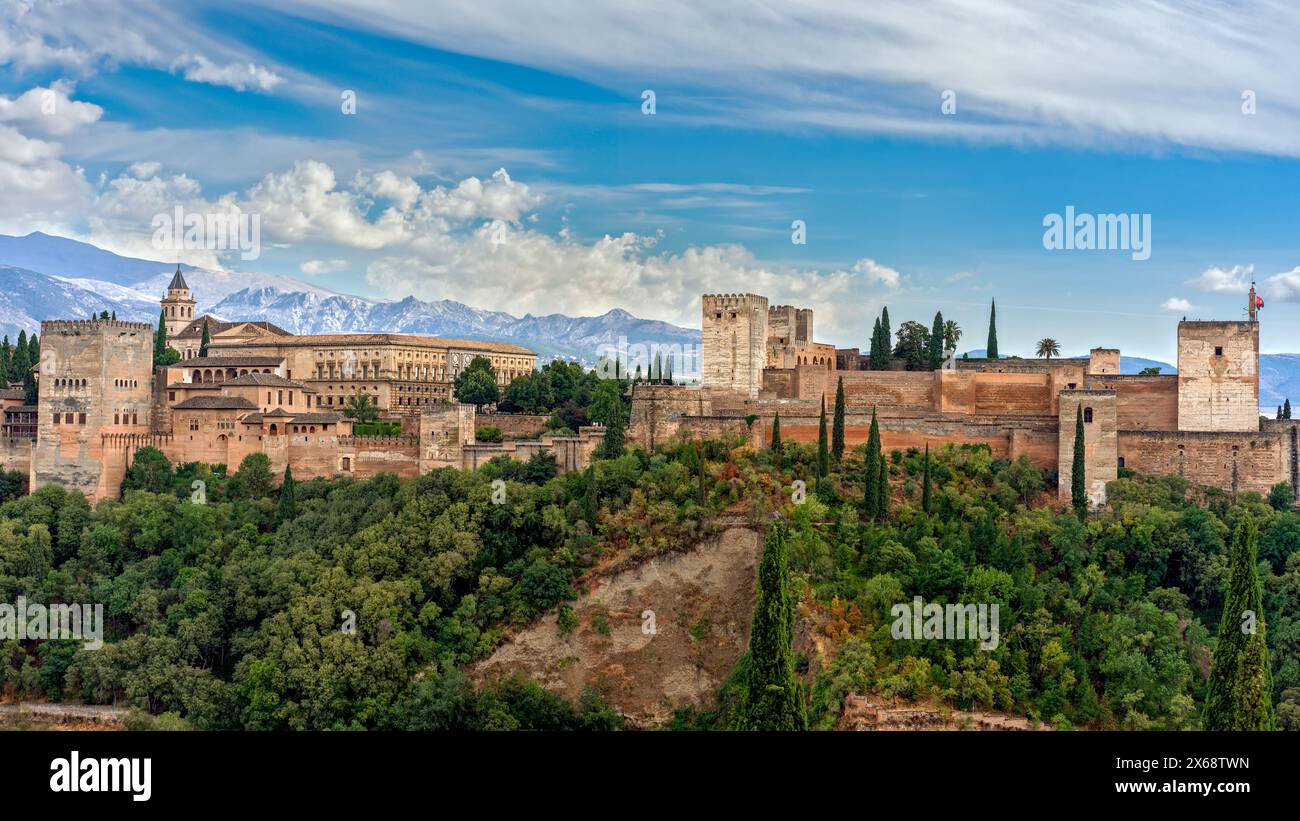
(702, 601)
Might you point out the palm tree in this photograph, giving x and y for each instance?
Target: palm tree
(1048, 348)
(951, 333)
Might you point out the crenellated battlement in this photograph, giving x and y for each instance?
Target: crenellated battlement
(82, 325)
(719, 302)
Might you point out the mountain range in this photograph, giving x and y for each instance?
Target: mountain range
(49, 277)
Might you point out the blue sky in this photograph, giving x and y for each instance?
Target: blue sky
(499, 154)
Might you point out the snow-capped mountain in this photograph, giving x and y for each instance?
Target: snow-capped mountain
(45, 277)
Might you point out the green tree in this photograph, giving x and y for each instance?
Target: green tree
(871, 475)
(1048, 348)
(7, 355)
(913, 345)
(361, 407)
(21, 365)
(823, 451)
(254, 479)
(591, 497)
(1078, 486)
(776, 432)
(528, 393)
(702, 489)
(936, 342)
(1286, 408)
(477, 383)
(1240, 691)
(951, 335)
(150, 470)
(205, 340)
(771, 695)
(882, 486)
(837, 426)
(288, 508)
(615, 440)
(607, 403)
(925, 481)
(992, 347)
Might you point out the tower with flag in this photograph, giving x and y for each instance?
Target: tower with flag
(1254, 302)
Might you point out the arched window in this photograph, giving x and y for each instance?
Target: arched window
(1087, 416)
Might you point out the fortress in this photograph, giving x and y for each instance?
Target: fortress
(259, 389)
(1202, 423)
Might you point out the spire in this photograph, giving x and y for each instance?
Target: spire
(178, 281)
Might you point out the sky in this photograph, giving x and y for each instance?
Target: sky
(504, 154)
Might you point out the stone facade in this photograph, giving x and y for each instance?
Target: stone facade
(734, 342)
(1100, 442)
(1218, 376)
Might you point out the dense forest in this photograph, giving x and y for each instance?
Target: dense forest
(229, 611)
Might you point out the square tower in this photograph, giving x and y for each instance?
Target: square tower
(1103, 361)
(1100, 442)
(734, 330)
(1218, 376)
(95, 382)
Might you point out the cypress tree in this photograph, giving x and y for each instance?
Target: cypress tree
(882, 487)
(20, 366)
(771, 695)
(823, 453)
(612, 445)
(873, 358)
(288, 497)
(870, 480)
(205, 340)
(6, 357)
(160, 338)
(1279, 412)
(936, 342)
(1078, 489)
(591, 497)
(992, 346)
(1240, 691)
(925, 481)
(837, 426)
(776, 432)
(886, 347)
(1286, 409)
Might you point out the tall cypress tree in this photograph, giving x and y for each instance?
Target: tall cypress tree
(612, 445)
(1078, 487)
(873, 357)
(925, 481)
(823, 452)
(591, 497)
(837, 426)
(1286, 409)
(886, 347)
(870, 476)
(160, 338)
(882, 487)
(1240, 692)
(771, 695)
(205, 340)
(776, 432)
(288, 497)
(20, 366)
(7, 353)
(993, 331)
(936, 342)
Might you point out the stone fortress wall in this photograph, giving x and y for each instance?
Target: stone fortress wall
(1201, 423)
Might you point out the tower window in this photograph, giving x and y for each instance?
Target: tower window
(1218, 350)
(1087, 416)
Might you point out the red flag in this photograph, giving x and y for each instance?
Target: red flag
(1259, 301)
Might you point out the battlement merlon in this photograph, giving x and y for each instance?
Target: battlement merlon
(715, 302)
(79, 325)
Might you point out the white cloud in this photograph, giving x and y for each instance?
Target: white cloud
(144, 170)
(1283, 287)
(874, 272)
(1103, 71)
(48, 110)
(958, 277)
(240, 76)
(1177, 304)
(37, 189)
(1216, 279)
(315, 267)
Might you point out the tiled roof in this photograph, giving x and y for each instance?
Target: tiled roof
(392, 339)
(178, 282)
(215, 403)
(230, 361)
(264, 380)
(317, 418)
(216, 326)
